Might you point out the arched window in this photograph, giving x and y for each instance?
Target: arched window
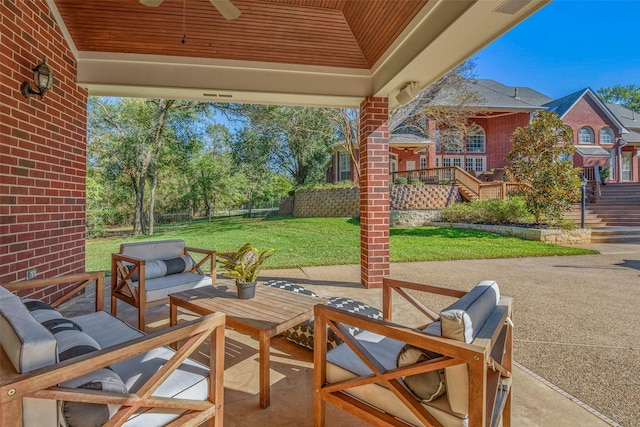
(585, 135)
(476, 140)
(451, 140)
(606, 136)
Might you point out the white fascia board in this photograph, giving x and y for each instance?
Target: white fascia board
(107, 74)
(445, 36)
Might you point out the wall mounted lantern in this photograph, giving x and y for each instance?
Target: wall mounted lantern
(43, 78)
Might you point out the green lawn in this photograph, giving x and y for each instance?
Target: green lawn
(303, 242)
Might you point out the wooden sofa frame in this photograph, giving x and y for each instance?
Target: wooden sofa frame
(489, 359)
(43, 383)
(122, 286)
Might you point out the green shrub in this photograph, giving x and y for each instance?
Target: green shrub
(416, 181)
(401, 180)
(493, 211)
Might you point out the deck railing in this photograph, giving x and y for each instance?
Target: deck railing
(470, 186)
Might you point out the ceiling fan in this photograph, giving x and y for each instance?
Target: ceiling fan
(225, 7)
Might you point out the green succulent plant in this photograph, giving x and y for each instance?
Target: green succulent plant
(245, 264)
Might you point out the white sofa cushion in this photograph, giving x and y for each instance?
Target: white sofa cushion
(157, 249)
(463, 319)
(189, 381)
(343, 364)
(27, 343)
(29, 346)
(160, 287)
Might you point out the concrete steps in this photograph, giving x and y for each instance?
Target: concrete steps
(615, 234)
(615, 217)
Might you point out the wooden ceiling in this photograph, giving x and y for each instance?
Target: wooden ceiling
(337, 33)
(293, 52)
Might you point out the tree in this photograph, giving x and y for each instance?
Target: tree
(294, 139)
(346, 122)
(541, 157)
(449, 104)
(626, 95)
(139, 138)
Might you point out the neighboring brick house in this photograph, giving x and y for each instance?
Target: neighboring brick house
(604, 134)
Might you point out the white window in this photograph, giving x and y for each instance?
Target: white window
(612, 163)
(345, 166)
(393, 162)
(475, 140)
(585, 135)
(474, 164)
(448, 162)
(438, 146)
(423, 162)
(438, 162)
(606, 136)
(411, 165)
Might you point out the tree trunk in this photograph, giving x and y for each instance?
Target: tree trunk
(138, 220)
(152, 203)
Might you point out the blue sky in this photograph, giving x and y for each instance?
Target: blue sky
(567, 46)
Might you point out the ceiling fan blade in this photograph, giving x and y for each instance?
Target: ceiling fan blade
(226, 8)
(151, 3)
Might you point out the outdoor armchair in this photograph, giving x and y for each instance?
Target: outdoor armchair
(455, 371)
(143, 274)
(94, 369)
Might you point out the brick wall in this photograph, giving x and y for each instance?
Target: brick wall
(374, 191)
(42, 150)
(498, 131)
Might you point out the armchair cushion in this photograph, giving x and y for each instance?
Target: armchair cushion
(463, 319)
(160, 287)
(159, 249)
(80, 414)
(155, 268)
(428, 385)
(28, 344)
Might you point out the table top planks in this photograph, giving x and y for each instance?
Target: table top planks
(274, 310)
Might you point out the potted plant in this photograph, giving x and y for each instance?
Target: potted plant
(604, 174)
(244, 265)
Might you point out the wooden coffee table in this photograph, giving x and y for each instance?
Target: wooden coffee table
(271, 312)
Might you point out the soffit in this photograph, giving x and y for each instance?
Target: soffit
(305, 52)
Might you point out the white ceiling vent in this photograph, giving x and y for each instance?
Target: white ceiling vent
(511, 7)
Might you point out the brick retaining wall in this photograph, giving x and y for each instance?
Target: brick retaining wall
(407, 197)
(330, 202)
(345, 202)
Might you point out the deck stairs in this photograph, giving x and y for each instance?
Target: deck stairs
(615, 216)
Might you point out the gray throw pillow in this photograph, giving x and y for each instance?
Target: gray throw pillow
(427, 386)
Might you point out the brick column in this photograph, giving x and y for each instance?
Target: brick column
(374, 191)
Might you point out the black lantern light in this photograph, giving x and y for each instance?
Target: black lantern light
(43, 78)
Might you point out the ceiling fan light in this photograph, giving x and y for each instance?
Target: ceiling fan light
(227, 9)
(151, 3)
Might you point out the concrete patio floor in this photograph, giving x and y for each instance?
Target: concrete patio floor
(553, 338)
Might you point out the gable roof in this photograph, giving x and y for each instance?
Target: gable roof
(489, 94)
(561, 106)
(630, 119)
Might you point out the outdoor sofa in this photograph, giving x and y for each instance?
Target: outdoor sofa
(143, 274)
(94, 369)
(453, 371)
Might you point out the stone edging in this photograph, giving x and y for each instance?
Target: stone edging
(561, 237)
